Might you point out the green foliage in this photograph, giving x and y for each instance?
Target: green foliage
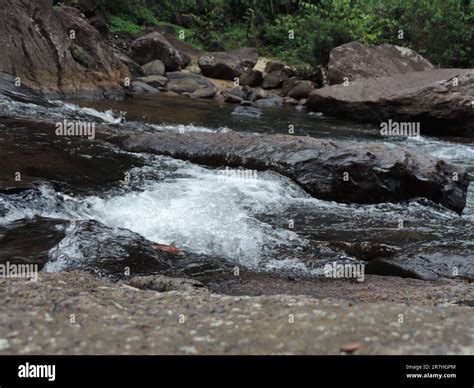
(441, 30)
(119, 23)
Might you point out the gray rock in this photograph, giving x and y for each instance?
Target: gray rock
(181, 82)
(273, 80)
(301, 90)
(155, 67)
(133, 66)
(154, 80)
(268, 102)
(428, 264)
(440, 100)
(162, 283)
(229, 64)
(139, 87)
(377, 173)
(154, 46)
(355, 60)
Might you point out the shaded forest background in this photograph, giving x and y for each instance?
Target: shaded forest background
(440, 30)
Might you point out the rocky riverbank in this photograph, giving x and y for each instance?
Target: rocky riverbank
(74, 313)
(68, 52)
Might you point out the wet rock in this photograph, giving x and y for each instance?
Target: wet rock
(229, 64)
(270, 102)
(344, 172)
(427, 264)
(155, 67)
(117, 253)
(156, 81)
(251, 78)
(247, 111)
(356, 60)
(440, 100)
(32, 148)
(140, 87)
(301, 90)
(28, 241)
(365, 250)
(154, 46)
(36, 47)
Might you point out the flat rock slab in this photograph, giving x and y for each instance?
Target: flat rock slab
(428, 264)
(343, 172)
(213, 324)
(440, 100)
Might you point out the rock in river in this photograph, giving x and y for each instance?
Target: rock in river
(440, 100)
(343, 172)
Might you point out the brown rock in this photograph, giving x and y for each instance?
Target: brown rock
(36, 46)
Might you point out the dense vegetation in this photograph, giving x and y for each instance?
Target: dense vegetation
(304, 32)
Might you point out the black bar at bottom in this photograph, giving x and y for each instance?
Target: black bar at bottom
(317, 371)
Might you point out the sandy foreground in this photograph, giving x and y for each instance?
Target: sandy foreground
(76, 313)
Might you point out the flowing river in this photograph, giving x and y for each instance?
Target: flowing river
(98, 193)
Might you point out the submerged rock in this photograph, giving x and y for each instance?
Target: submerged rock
(343, 172)
(440, 100)
(355, 60)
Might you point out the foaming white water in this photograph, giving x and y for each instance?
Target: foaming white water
(187, 128)
(204, 213)
(195, 208)
(109, 116)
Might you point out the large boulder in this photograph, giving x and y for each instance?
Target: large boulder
(343, 172)
(251, 78)
(181, 82)
(36, 46)
(440, 100)
(228, 64)
(155, 67)
(154, 46)
(356, 60)
(301, 90)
